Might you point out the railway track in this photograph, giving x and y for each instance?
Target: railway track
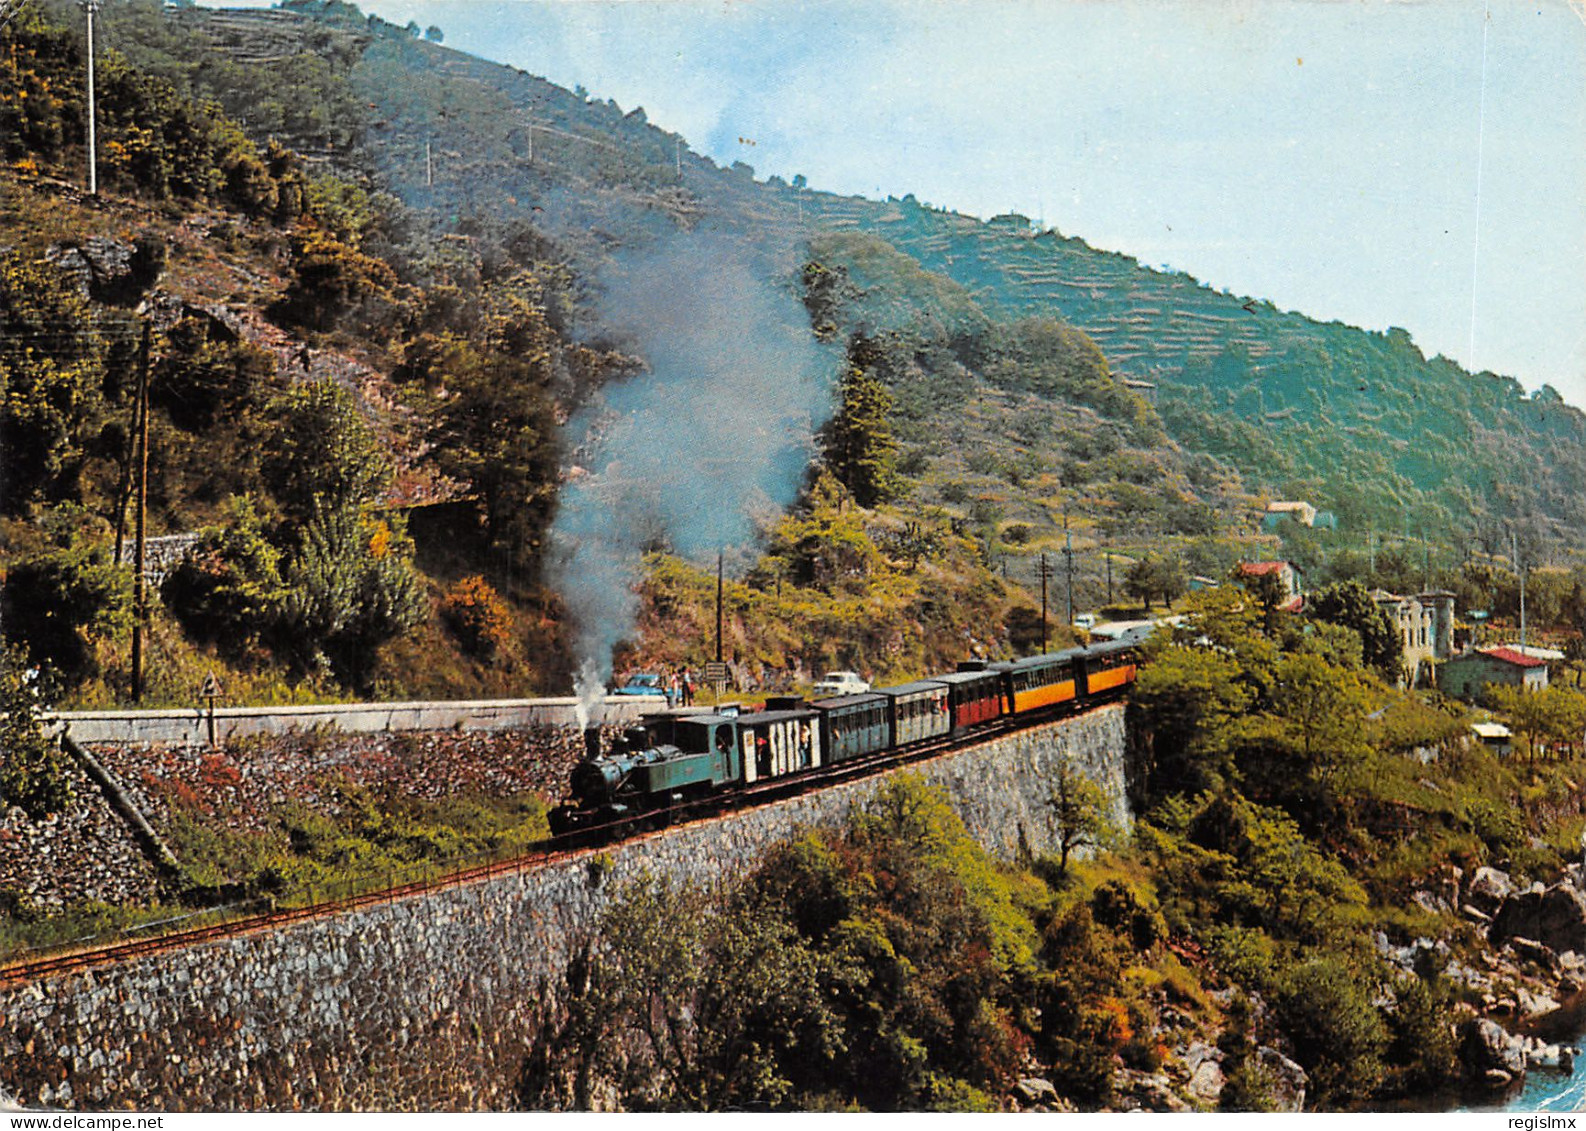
(553, 850)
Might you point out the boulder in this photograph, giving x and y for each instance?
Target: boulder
(1539, 1054)
(1533, 951)
(1554, 917)
(1288, 1079)
(1488, 889)
(1431, 904)
(1206, 1083)
(1485, 1048)
(1033, 1090)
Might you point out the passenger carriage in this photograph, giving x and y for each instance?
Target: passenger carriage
(854, 725)
(1110, 667)
(778, 743)
(1040, 681)
(917, 711)
(973, 697)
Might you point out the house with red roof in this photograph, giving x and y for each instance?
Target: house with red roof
(1286, 572)
(1464, 676)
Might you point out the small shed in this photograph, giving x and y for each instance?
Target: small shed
(1495, 737)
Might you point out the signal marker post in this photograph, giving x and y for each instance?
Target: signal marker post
(209, 693)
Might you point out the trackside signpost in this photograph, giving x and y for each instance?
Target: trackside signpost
(209, 693)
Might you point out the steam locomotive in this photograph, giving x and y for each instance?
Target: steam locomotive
(673, 758)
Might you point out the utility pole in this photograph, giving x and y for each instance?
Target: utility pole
(1108, 558)
(1045, 571)
(1068, 554)
(429, 163)
(718, 605)
(1514, 553)
(139, 594)
(91, 6)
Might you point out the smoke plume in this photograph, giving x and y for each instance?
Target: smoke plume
(719, 429)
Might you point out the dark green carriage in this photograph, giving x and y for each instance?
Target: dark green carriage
(854, 725)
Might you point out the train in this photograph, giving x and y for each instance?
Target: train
(675, 757)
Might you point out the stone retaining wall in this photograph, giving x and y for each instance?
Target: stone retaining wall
(191, 725)
(89, 852)
(427, 1003)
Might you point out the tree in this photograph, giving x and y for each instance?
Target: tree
(1268, 592)
(320, 455)
(1080, 807)
(1154, 575)
(200, 379)
(330, 279)
(1349, 603)
(496, 429)
(857, 444)
(51, 384)
(349, 574)
(55, 602)
(1192, 702)
(1339, 1037)
(351, 587)
(1323, 708)
(686, 1007)
(1552, 714)
(32, 770)
(227, 588)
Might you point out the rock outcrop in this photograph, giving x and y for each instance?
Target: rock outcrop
(1553, 916)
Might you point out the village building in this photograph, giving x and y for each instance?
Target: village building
(1464, 676)
(1301, 512)
(1495, 737)
(1425, 623)
(1290, 574)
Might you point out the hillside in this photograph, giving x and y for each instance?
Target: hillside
(1359, 423)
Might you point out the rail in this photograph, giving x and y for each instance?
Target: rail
(264, 912)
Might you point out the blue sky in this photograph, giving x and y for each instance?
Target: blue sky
(1415, 164)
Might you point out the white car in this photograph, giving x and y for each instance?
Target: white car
(839, 683)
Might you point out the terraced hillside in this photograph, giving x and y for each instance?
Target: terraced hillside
(1359, 423)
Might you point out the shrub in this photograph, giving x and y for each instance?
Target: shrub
(477, 616)
(32, 771)
(1338, 1034)
(227, 588)
(52, 602)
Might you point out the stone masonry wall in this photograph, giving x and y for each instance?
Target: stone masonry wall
(427, 1003)
(87, 852)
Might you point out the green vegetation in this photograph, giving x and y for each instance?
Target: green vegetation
(1291, 805)
(1285, 820)
(303, 579)
(356, 839)
(893, 966)
(32, 773)
(363, 838)
(894, 592)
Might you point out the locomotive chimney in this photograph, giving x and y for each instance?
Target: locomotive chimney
(591, 743)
